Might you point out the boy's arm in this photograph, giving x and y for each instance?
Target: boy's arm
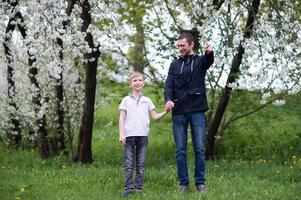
(157, 116)
(122, 138)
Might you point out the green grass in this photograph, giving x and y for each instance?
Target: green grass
(260, 158)
(58, 178)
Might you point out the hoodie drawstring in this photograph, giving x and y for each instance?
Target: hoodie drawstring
(182, 66)
(191, 66)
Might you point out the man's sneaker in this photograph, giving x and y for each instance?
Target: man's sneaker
(183, 188)
(126, 193)
(201, 188)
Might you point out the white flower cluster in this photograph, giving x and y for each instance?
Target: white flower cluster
(44, 26)
(271, 59)
(279, 102)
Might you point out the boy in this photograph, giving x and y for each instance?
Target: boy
(133, 130)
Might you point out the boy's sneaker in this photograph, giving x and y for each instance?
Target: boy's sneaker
(139, 191)
(183, 188)
(201, 188)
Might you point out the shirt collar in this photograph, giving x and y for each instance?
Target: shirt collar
(131, 95)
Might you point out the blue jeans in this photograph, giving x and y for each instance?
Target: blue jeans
(134, 155)
(198, 125)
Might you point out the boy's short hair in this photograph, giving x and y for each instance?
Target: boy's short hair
(135, 74)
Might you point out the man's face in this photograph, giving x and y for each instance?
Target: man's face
(184, 47)
(137, 83)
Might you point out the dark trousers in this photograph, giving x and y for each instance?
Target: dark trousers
(134, 155)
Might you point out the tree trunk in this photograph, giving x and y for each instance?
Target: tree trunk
(14, 134)
(42, 143)
(84, 151)
(233, 75)
(138, 60)
(59, 88)
(59, 141)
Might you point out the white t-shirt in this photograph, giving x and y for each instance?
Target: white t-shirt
(137, 115)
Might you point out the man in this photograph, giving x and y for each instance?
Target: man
(185, 94)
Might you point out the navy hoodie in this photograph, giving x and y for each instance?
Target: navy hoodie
(185, 83)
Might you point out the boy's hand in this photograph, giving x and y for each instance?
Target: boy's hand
(169, 105)
(122, 140)
(167, 109)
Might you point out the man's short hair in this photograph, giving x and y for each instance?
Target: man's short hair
(188, 36)
(135, 74)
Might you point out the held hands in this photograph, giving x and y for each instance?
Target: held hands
(208, 48)
(169, 105)
(167, 110)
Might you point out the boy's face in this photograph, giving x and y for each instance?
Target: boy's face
(137, 83)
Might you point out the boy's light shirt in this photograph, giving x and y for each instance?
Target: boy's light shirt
(137, 115)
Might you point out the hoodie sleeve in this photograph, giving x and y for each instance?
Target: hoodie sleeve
(209, 58)
(169, 84)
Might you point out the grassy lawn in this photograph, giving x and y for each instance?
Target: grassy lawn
(24, 175)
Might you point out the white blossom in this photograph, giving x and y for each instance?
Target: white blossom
(233, 85)
(279, 102)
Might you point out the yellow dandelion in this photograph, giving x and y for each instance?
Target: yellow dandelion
(18, 198)
(22, 189)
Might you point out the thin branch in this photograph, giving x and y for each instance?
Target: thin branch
(235, 117)
(172, 15)
(160, 28)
